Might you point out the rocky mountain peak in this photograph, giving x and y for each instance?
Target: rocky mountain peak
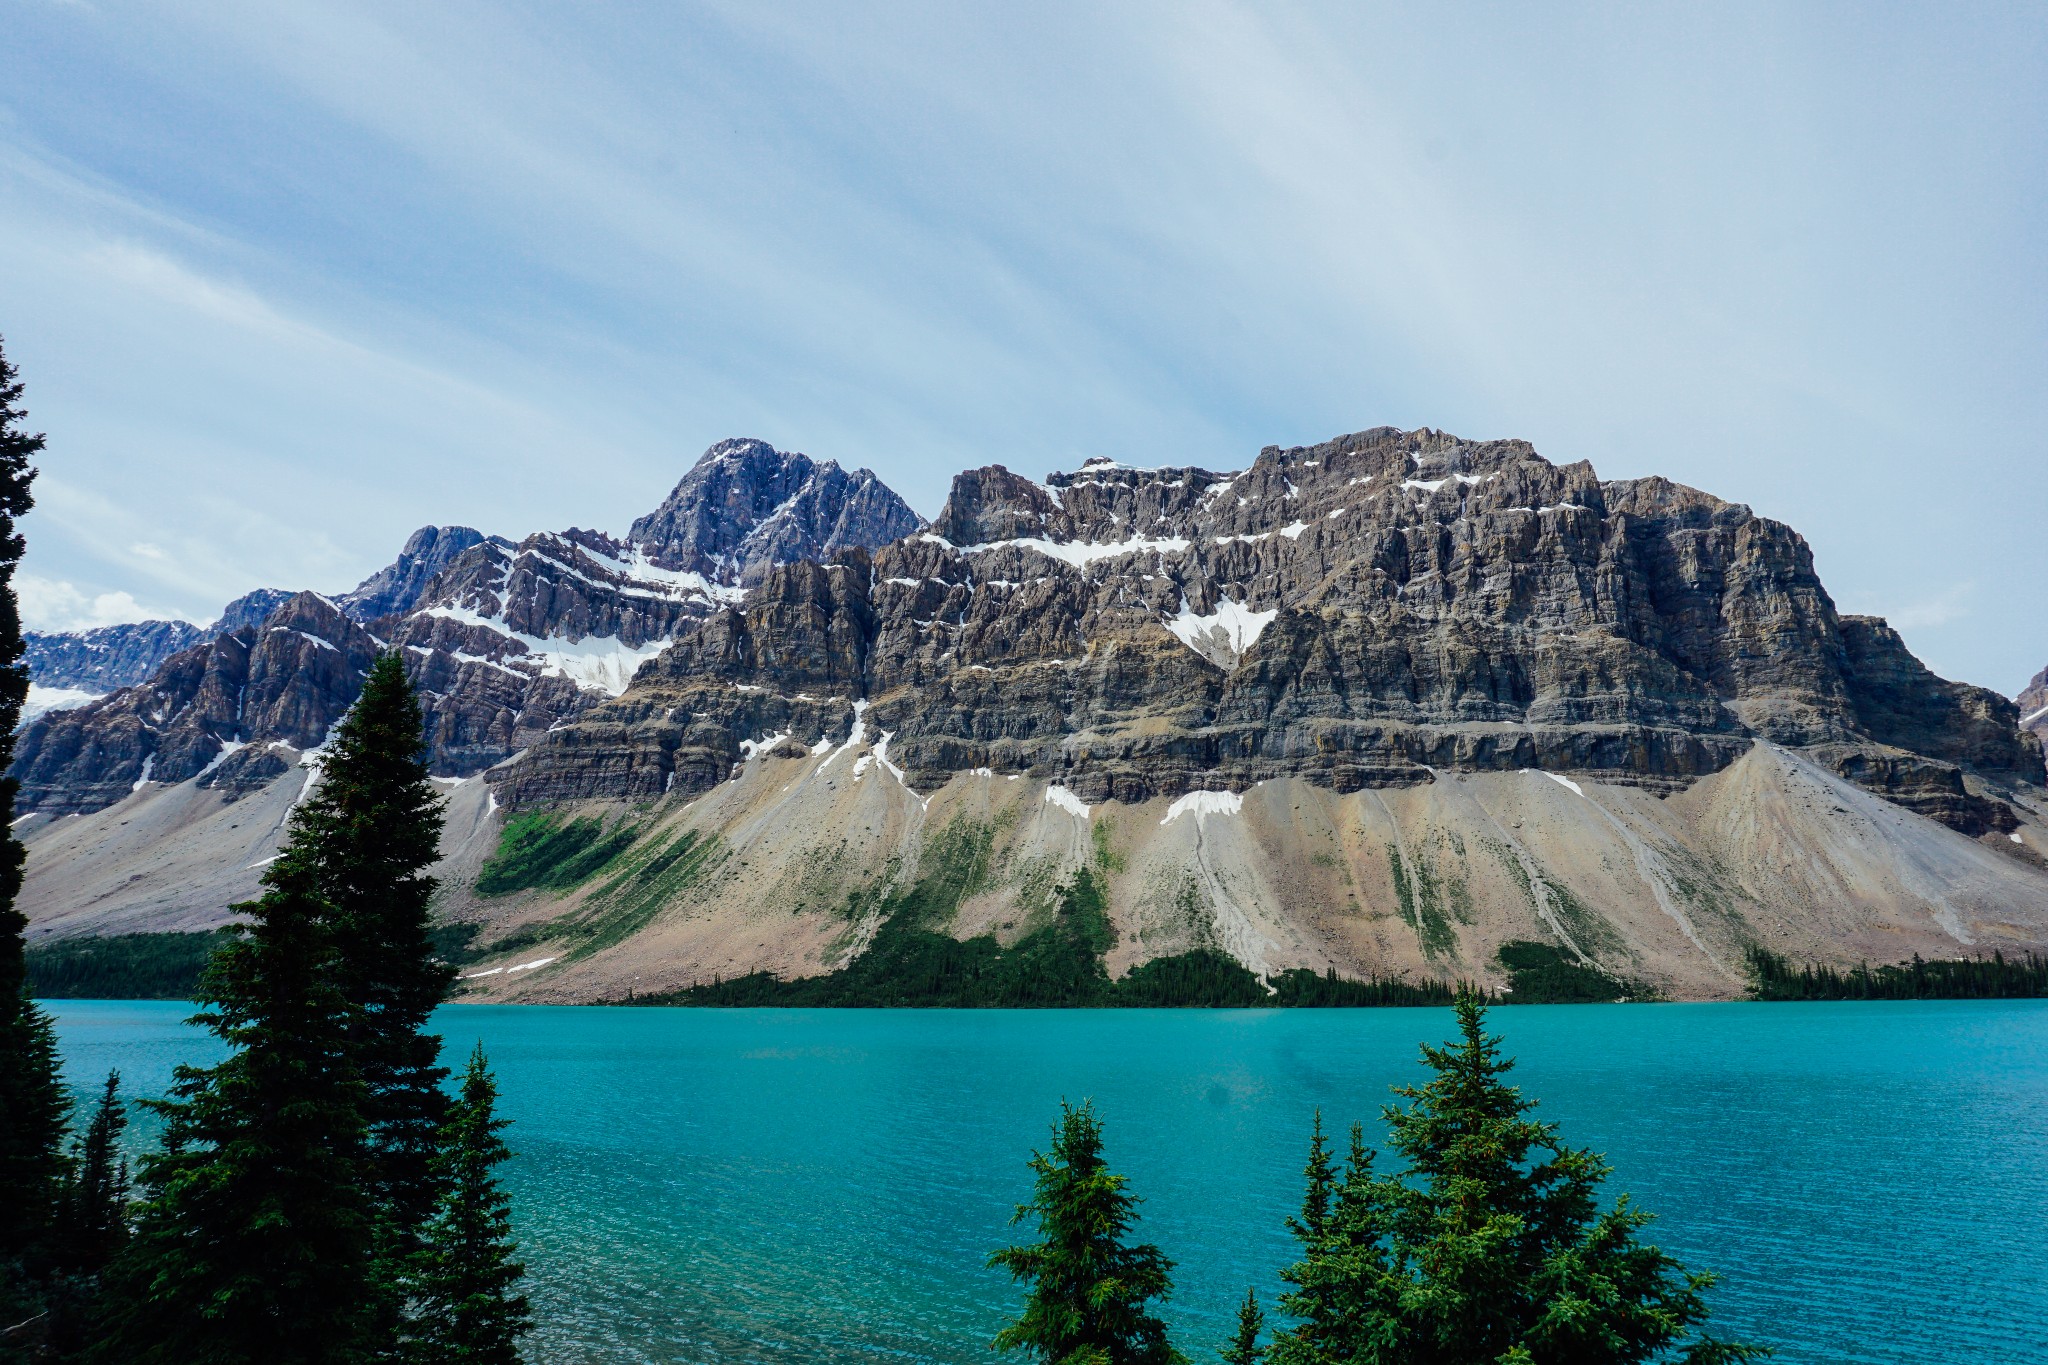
(399, 585)
(746, 506)
(250, 609)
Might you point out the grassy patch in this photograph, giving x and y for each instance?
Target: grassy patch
(123, 966)
(542, 851)
(909, 963)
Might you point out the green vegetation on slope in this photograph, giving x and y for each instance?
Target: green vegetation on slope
(1972, 978)
(1540, 974)
(542, 851)
(123, 967)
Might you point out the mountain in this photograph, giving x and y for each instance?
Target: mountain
(106, 657)
(507, 640)
(1384, 704)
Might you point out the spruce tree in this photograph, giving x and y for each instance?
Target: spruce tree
(1491, 1246)
(1244, 1348)
(93, 1210)
(1089, 1291)
(371, 830)
(92, 1227)
(253, 1242)
(466, 1312)
(32, 1103)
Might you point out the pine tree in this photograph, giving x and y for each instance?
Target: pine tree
(32, 1103)
(371, 830)
(92, 1227)
(253, 1241)
(466, 1310)
(1089, 1291)
(1244, 1347)
(93, 1211)
(1491, 1246)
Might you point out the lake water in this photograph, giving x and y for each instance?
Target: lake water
(1871, 1180)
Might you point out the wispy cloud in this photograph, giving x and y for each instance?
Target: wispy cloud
(289, 281)
(53, 604)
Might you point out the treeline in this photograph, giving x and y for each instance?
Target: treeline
(1996, 977)
(123, 966)
(1060, 965)
(319, 1196)
(1488, 1244)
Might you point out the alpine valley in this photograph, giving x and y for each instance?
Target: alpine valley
(1381, 706)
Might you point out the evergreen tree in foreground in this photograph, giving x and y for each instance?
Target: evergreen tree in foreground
(370, 831)
(1490, 1247)
(1244, 1346)
(92, 1226)
(1089, 1291)
(253, 1243)
(466, 1310)
(32, 1101)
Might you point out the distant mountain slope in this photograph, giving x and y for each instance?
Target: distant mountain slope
(508, 640)
(106, 657)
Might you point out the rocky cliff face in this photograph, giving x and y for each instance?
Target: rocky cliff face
(506, 641)
(1360, 613)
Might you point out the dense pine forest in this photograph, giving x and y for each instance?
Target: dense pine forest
(1996, 977)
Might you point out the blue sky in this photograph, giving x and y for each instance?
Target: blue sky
(288, 280)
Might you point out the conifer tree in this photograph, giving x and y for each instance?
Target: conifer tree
(1089, 1291)
(1491, 1246)
(252, 1245)
(371, 829)
(32, 1103)
(92, 1227)
(466, 1310)
(93, 1212)
(1244, 1348)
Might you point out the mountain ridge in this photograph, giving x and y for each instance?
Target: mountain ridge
(1376, 705)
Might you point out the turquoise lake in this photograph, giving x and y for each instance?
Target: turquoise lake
(1870, 1180)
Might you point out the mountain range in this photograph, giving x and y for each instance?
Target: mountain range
(1381, 705)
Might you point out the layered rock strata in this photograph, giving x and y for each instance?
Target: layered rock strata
(1358, 613)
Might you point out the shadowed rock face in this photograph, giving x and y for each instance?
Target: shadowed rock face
(1357, 613)
(505, 641)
